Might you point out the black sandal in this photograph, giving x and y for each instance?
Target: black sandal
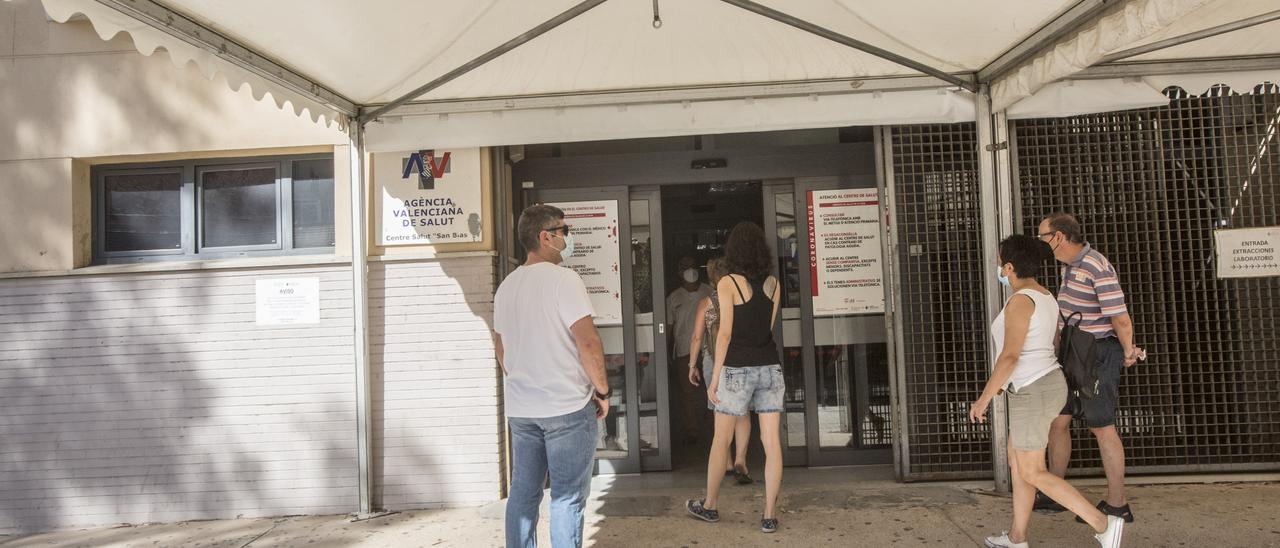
(740, 474)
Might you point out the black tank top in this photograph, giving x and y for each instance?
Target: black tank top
(752, 339)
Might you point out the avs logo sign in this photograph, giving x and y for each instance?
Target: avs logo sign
(428, 167)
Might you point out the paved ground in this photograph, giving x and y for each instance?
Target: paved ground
(856, 506)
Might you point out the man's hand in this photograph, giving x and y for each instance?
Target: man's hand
(1134, 355)
(695, 376)
(602, 407)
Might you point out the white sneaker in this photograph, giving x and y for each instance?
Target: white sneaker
(1003, 541)
(1111, 537)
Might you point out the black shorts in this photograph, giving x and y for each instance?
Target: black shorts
(1100, 411)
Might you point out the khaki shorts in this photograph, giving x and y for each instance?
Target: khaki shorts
(1032, 410)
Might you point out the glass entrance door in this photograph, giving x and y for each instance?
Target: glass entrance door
(835, 355)
(845, 351)
(600, 220)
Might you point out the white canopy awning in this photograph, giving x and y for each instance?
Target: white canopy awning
(711, 67)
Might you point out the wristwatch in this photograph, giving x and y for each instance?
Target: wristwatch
(604, 396)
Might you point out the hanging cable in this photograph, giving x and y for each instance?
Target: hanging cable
(657, 19)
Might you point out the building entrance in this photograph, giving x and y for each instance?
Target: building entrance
(832, 333)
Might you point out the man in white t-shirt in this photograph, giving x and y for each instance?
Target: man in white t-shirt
(682, 310)
(554, 381)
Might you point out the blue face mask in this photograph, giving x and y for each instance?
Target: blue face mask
(1004, 280)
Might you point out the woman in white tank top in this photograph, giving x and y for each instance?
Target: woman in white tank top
(1027, 368)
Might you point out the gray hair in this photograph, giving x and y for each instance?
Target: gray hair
(533, 220)
(1067, 225)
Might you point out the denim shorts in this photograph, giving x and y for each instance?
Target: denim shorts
(1100, 411)
(743, 389)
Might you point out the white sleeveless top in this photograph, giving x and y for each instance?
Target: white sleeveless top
(1038, 357)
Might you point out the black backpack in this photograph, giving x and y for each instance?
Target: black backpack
(1078, 354)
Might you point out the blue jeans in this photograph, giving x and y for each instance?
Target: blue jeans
(564, 447)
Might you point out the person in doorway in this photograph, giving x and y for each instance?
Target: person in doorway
(555, 388)
(682, 309)
(1091, 287)
(746, 374)
(704, 337)
(1027, 367)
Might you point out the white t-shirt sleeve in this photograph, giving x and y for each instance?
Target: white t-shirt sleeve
(499, 317)
(572, 300)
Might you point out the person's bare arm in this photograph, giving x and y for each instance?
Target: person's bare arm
(1017, 317)
(774, 295)
(1123, 325)
(695, 344)
(591, 352)
(497, 343)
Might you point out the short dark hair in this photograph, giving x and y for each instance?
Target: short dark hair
(747, 253)
(1026, 253)
(533, 220)
(1066, 224)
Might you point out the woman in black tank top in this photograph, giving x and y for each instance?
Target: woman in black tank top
(747, 375)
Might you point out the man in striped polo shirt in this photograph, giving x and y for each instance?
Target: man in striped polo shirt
(1090, 286)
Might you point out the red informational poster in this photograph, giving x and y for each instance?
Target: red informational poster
(846, 267)
(594, 226)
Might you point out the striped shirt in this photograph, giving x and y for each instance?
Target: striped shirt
(1090, 286)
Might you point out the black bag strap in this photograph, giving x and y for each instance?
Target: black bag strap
(1066, 318)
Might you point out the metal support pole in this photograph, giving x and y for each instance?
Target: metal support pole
(360, 312)
(851, 42)
(993, 230)
(490, 55)
(1191, 37)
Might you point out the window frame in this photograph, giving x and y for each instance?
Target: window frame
(201, 231)
(191, 209)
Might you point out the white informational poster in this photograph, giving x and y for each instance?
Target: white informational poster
(594, 226)
(294, 301)
(428, 196)
(846, 268)
(1248, 252)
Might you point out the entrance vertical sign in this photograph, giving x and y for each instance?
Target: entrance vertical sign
(845, 265)
(594, 225)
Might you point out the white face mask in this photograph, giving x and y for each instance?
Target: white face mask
(568, 247)
(690, 275)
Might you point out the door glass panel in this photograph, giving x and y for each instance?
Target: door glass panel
(642, 294)
(613, 429)
(853, 382)
(788, 248)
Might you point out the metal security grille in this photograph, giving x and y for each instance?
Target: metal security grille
(943, 348)
(1150, 187)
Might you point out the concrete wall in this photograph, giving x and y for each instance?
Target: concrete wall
(435, 382)
(155, 397)
(68, 95)
(140, 393)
